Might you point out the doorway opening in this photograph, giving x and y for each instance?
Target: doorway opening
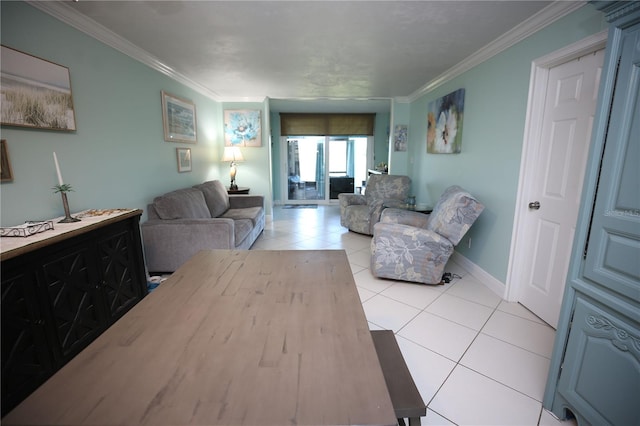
(321, 167)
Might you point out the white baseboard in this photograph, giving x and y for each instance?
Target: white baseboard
(483, 276)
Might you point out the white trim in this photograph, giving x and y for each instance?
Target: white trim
(533, 123)
(480, 274)
(65, 13)
(71, 17)
(573, 51)
(545, 17)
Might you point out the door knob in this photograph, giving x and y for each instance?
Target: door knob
(535, 205)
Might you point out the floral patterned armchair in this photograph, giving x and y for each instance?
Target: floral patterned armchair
(360, 212)
(412, 246)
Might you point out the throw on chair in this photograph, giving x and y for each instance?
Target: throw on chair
(412, 246)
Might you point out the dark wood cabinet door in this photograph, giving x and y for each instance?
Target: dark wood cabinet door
(73, 293)
(120, 264)
(26, 359)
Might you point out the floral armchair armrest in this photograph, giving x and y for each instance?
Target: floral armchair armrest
(347, 200)
(404, 217)
(404, 252)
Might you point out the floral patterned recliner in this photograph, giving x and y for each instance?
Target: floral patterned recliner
(360, 212)
(412, 246)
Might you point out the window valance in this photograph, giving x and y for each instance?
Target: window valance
(313, 124)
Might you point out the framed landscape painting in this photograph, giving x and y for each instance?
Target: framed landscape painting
(6, 174)
(178, 119)
(35, 92)
(444, 124)
(242, 128)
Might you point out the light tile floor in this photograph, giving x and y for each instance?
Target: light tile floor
(476, 359)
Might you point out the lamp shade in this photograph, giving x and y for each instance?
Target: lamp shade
(232, 153)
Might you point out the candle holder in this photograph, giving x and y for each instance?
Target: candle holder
(63, 189)
(67, 214)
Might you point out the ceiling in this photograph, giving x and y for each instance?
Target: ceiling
(240, 50)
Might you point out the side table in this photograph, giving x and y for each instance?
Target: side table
(240, 190)
(420, 208)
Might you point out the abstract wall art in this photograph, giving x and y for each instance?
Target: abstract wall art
(444, 124)
(242, 128)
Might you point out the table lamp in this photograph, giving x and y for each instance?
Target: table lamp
(233, 155)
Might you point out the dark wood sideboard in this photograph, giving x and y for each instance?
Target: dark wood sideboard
(60, 292)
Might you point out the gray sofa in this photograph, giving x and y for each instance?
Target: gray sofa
(204, 217)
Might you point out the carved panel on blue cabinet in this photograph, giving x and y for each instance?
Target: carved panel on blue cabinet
(600, 379)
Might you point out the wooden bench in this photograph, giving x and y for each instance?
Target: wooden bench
(405, 397)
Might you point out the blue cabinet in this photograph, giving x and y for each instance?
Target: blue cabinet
(595, 367)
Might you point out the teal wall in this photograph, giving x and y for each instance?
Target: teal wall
(118, 156)
(277, 167)
(255, 171)
(496, 94)
(381, 139)
(399, 160)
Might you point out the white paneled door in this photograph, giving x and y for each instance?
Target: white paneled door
(555, 183)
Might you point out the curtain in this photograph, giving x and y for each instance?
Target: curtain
(320, 170)
(350, 158)
(299, 124)
(294, 159)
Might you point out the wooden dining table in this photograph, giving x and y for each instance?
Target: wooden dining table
(231, 338)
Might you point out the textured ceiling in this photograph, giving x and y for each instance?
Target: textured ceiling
(309, 49)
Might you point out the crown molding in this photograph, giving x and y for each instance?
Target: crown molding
(540, 20)
(255, 99)
(402, 99)
(71, 17)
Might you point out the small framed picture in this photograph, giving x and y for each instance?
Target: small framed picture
(178, 119)
(184, 159)
(400, 137)
(5, 168)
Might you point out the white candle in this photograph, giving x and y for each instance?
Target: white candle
(55, 159)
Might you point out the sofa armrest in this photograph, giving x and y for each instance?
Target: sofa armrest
(239, 201)
(404, 217)
(170, 243)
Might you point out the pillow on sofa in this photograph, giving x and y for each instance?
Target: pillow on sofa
(216, 197)
(182, 204)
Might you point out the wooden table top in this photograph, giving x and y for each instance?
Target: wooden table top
(232, 337)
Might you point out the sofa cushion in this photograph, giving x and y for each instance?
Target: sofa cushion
(216, 197)
(454, 213)
(185, 203)
(254, 214)
(241, 229)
